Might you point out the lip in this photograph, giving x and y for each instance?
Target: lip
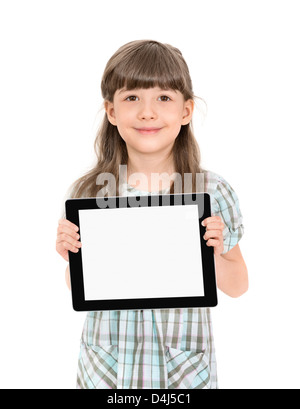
(148, 131)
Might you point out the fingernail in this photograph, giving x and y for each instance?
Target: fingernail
(203, 224)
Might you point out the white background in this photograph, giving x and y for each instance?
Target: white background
(244, 61)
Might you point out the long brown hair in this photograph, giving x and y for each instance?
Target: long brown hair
(141, 64)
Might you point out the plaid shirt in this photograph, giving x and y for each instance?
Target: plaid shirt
(158, 349)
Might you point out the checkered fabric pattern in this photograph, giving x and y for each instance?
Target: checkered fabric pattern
(158, 349)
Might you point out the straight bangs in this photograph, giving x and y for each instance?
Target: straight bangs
(148, 66)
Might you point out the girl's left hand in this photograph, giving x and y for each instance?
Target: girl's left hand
(214, 233)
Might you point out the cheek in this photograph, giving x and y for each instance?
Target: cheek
(173, 117)
(174, 123)
(125, 118)
(124, 125)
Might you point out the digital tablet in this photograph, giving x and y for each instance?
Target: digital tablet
(142, 252)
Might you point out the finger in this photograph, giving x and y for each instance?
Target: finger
(62, 251)
(64, 245)
(217, 244)
(212, 219)
(211, 234)
(215, 226)
(62, 228)
(63, 237)
(69, 224)
(213, 242)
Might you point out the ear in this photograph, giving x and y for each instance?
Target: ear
(110, 111)
(188, 112)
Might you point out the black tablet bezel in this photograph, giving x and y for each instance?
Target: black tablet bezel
(208, 265)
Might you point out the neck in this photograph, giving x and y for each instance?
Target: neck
(142, 167)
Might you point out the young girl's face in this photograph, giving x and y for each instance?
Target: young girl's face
(149, 120)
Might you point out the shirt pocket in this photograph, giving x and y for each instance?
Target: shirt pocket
(98, 366)
(187, 369)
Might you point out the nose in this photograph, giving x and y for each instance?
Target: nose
(147, 111)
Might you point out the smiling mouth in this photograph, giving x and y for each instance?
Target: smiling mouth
(148, 131)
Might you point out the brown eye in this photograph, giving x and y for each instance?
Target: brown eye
(131, 98)
(165, 98)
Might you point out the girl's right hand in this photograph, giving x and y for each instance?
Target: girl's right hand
(67, 238)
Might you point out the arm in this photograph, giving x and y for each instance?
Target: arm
(231, 272)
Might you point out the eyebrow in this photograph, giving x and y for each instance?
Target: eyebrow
(123, 90)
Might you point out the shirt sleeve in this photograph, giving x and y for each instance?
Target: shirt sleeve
(226, 205)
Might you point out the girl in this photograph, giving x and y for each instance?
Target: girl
(149, 103)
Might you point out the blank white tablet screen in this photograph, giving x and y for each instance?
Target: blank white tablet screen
(145, 252)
